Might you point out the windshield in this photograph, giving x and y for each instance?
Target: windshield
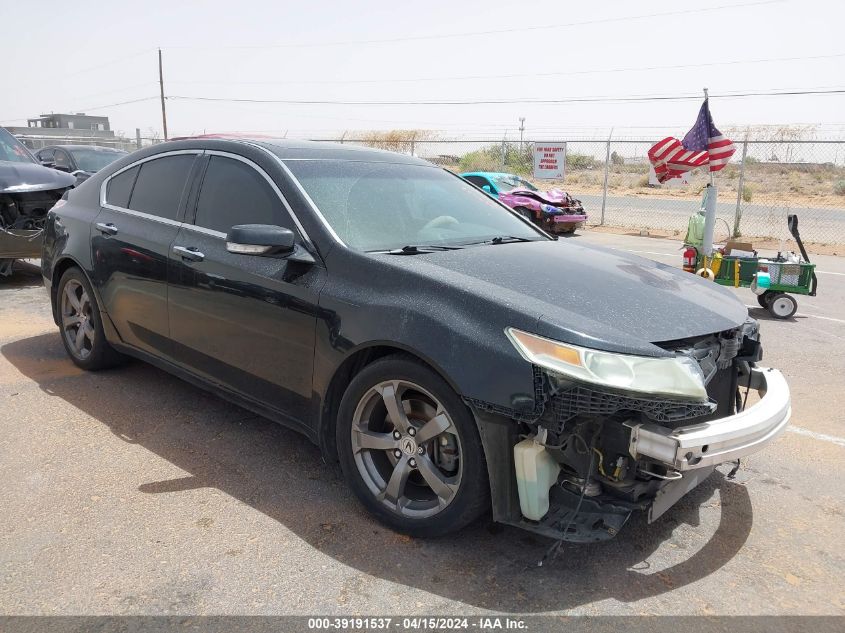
(509, 183)
(385, 206)
(94, 160)
(13, 150)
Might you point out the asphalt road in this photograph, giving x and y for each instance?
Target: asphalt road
(131, 492)
(825, 225)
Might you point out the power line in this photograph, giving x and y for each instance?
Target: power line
(416, 38)
(512, 76)
(108, 105)
(109, 63)
(598, 99)
(112, 105)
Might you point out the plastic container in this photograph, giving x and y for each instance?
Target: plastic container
(536, 473)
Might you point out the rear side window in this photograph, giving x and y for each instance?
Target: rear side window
(235, 193)
(119, 188)
(160, 185)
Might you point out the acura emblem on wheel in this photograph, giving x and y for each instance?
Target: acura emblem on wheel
(409, 446)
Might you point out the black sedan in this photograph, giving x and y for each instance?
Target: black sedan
(450, 356)
(80, 160)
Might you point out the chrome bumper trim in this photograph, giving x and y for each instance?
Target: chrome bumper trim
(723, 440)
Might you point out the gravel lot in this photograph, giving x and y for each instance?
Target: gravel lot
(131, 492)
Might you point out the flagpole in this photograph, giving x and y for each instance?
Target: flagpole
(707, 101)
(710, 202)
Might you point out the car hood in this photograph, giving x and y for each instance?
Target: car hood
(552, 196)
(25, 177)
(586, 295)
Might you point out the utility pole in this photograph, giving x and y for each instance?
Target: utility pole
(161, 86)
(521, 130)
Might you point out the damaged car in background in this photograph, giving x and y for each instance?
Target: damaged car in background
(449, 355)
(553, 210)
(27, 192)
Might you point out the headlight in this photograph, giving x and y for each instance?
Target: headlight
(548, 208)
(679, 376)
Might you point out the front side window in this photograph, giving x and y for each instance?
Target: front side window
(235, 193)
(62, 159)
(160, 185)
(478, 181)
(383, 206)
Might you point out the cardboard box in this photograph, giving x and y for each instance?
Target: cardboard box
(739, 249)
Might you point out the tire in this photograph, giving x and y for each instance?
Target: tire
(80, 325)
(422, 486)
(765, 298)
(782, 306)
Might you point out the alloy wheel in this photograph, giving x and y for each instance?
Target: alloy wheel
(406, 449)
(77, 324)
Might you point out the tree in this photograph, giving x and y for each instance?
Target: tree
(616, 159)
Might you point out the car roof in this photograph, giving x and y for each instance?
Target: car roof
(97, 148)
(288, 149)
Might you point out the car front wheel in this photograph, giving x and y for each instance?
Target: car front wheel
(410, 449)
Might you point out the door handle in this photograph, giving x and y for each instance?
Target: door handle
(106, 228)
(189, 253)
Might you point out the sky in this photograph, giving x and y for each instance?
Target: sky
(94, 57)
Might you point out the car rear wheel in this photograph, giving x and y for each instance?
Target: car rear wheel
(81, 325)
(410, 449)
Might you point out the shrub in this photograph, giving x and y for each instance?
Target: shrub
(747, 193)
(490, 159)
(643, 181)
(579, 161)
(839, 188)
(616, 159)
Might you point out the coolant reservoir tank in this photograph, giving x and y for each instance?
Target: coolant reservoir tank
(536, 472)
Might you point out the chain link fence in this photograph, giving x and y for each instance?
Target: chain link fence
(765, 181)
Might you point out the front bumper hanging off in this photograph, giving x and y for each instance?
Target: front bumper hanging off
(707, 444)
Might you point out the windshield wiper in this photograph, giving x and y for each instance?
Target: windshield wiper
(502, 239)
(416, 249)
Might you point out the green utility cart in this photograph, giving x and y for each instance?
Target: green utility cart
(787, 277)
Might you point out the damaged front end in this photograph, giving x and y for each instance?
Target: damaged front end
(555, 211)
(605, 452)
(27, 193)
(28, 190)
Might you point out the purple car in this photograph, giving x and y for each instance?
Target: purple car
(554, 210)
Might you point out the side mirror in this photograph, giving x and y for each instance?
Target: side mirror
(260, 239)
(488, 189)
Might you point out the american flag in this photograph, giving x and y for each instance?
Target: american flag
(703, 145)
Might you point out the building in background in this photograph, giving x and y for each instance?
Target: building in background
(74, 129)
